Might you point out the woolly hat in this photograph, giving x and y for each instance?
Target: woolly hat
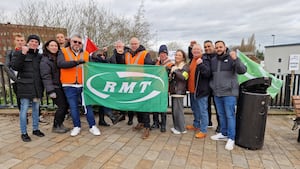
(163, 48)
(36, 37)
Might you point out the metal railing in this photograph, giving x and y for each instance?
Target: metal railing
(281, 101)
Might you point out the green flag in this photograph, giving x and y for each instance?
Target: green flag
(126, 87)
(255, 70)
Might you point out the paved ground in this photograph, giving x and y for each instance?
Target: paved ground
(120, 147)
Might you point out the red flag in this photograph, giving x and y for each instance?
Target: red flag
(90, 46)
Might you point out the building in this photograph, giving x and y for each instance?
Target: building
(8, 31)
(277, 57)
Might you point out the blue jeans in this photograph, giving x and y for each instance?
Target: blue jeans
(23, 114)
(196, 110)
(226, 111)
(73, 95)
(199, 108)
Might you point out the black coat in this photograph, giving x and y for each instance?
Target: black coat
(117, 58)
(202, 77)
(29, 82)
(50, 73)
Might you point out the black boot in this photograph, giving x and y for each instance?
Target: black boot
(114, 119)
(101, 120)
(59, 128)
(299, 136)
(155, 124)
(163, 122)
(130, 118)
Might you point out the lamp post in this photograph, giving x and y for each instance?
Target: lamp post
(273, 39)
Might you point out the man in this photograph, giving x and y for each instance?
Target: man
(71, 60)
(139, 56)
(118, 57)
(61, 40)
(224, 83)
(12, 74)
(198, 86)
(163, 60)
(29, 84)
(210, 53)
(190, 54)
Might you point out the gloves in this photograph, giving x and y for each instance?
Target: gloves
(80, 62)
(52, 95)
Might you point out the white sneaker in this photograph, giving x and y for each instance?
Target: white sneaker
(218, 136)
(184, 132)
(229, 145)
(75, 131)
(95, 131)
(174, 131)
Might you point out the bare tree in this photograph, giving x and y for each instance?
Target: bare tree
(89, 19)
(174, 46)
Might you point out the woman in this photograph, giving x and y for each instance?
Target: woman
(178, 79)
(51, 79)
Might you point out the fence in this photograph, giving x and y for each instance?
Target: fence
(281, 101)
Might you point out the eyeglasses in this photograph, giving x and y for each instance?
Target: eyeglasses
(75, 41)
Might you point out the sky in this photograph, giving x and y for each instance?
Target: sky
(272, 21)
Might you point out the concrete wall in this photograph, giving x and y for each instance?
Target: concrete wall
(274, 53)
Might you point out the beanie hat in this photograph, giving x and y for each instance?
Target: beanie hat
(163, 48)
(33, 37)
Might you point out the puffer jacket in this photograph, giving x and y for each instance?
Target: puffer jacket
(50, 73)
(224, 70)
(29, 82)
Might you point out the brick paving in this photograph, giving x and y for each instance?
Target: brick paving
(121, 148)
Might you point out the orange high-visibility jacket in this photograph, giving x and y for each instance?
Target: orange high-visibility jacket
(138, 59)
(73, 75)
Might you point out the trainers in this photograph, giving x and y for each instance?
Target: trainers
(200, 135)
(174, 131)
(75, 131)
(38, 133)
(25, 137)
(229, 145)
(184, 132)
(95, 131)
(191, 127)
(219, 136)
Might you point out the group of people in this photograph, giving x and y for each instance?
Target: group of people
(59, 71)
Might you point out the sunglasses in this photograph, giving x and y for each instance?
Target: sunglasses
(75, 41)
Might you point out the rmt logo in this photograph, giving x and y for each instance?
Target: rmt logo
(134, 86)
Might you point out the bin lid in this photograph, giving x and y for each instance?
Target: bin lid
(256, 85)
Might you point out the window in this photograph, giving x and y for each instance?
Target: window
(279, 60)
(279, 70)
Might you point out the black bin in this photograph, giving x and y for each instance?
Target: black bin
(251, 116)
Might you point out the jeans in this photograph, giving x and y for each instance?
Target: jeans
(73, 95)
(23, 115)
(226, 111)
(200, 112)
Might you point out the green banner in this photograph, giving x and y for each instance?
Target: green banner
(126, 87)
(255, 70)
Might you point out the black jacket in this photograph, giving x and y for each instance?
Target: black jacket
(50, 73)
(7, 67)
(117, 58)
(203, 75)
(29, 82)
